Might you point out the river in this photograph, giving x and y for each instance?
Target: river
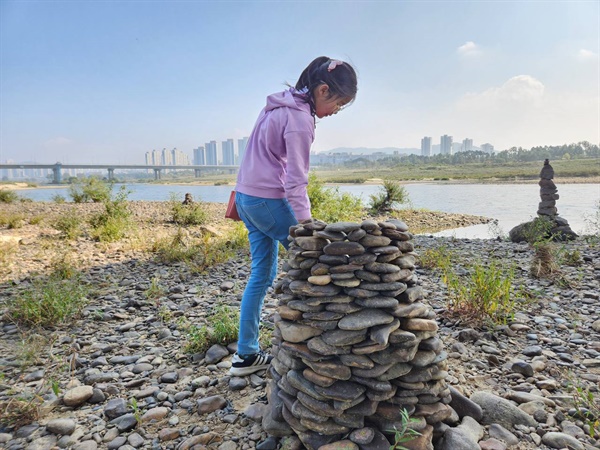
(509, 204)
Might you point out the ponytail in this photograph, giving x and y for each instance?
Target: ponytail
(338, 75)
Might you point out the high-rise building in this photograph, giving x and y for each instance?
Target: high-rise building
(156, 158)
(228, 152)
(467, 145)
(211, 153)
(242, 144)
(179, 158)
(166, 158)
(446, 145)
(426, 146)
(199, 159)
(487, 148)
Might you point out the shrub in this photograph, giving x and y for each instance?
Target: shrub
(437, 258)
(48, 302)
(19, 411)
(57, 198)
(484, 293)
(544, 263)
(405, 433)
(329, 205)
(224, 322)
(70, 224)
(63, 267)
(392, 193)
(8, 196)
(191, 214)
(197, 339)
(36, 220)
(15, 221)
(155, 290)
(538, 230)
(7, 251)
(115, 222)
(203, 252)
(90, 189)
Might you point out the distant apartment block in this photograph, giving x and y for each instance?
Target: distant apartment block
(426, 146)
(487, 148)
(467, 145)
(179, 158)
(242, 144)
(228, 152)
(199, 157)
(207, 155)
(446, 145)
(211, 153)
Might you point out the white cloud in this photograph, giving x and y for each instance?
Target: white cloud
(524, 112)
(469, 49)
(522, 89)
(586, 55)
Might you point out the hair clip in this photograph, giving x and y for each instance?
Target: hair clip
(333, 64)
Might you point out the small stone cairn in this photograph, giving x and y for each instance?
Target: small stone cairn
(547, 209)
(354, 345)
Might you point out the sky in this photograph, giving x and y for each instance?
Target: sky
(87, 81)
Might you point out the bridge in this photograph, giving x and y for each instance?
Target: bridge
(58, 167)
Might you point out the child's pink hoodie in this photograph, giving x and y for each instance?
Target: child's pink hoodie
(276, 161)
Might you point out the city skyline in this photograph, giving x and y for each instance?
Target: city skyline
(108, 81)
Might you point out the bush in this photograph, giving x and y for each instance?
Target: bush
(204, 252)
(392, 193)
(36, 220)
(7, 251)
(48, 302)
(224, 330)
(329, 205)
(57, 198)
(538, 230)
(191, 214)
(13, 221)
(114, 223)
(18, 411)
(437, 258)
(70, 224)
(485, 293)
(8, 196)
(90, 189)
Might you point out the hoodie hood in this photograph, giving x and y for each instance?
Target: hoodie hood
(290, 99)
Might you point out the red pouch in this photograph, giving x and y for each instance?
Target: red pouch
(231, 212)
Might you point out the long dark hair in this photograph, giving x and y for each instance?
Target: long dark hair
(341, 79)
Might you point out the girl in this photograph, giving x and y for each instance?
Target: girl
(271, 185)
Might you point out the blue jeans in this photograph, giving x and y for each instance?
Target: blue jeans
(268, 221)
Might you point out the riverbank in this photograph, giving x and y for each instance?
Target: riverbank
(230, 181)
(128, 345)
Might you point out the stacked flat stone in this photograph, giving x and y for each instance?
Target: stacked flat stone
(354, 345)
(547, 206)
(548, 192)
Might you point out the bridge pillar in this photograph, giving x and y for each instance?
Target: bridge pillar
(111, 173)
(197, 173)
(57, 174)
(157, 174)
